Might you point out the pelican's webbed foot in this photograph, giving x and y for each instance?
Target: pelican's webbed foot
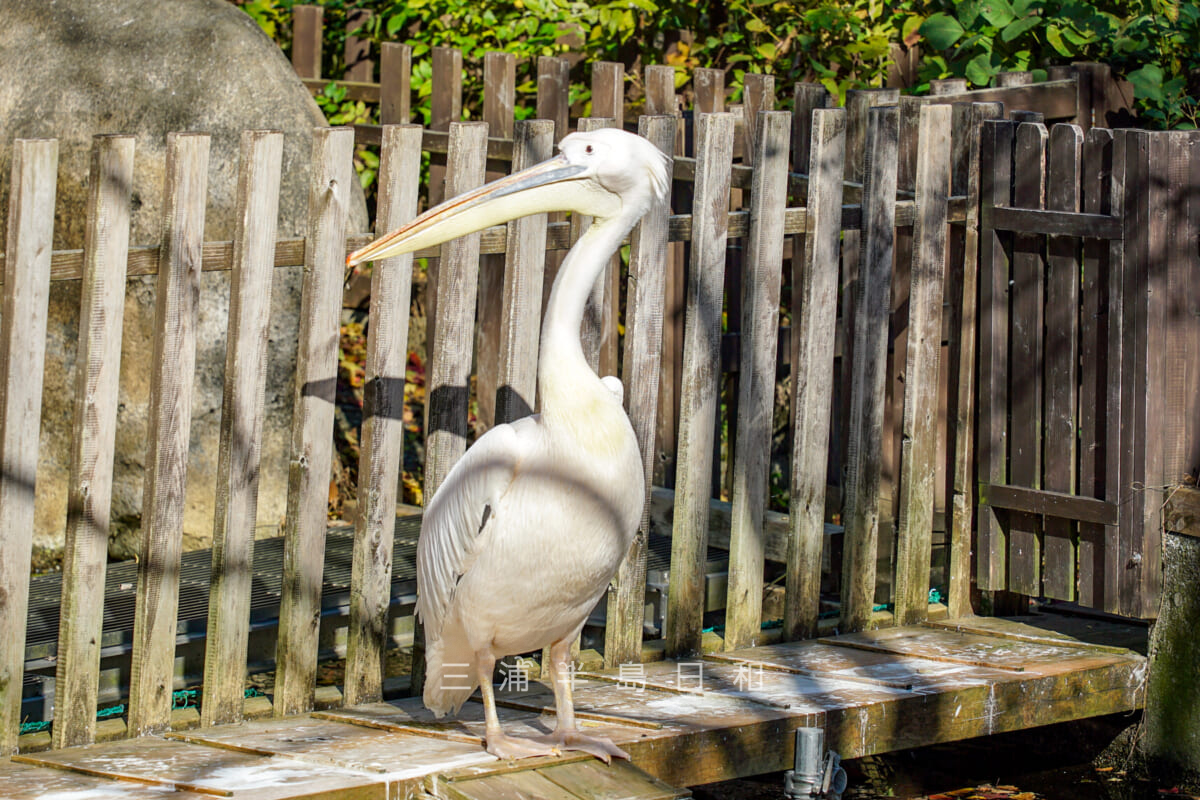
(511, 748)
(597, 746)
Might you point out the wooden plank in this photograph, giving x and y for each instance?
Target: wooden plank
(1093, 351)
(1042, 502)
(1156, 424)
(812, 369)
(608, 90)
(615, 781)
(357, 51)
(241, 426)
(506, 786)
(808, 96)
(30, 230)
(1057, 222)
(445, 107)
(1134, 330)
(858, 103)
(395, 83)
(864, 465)
(307, 37)
(312, 420)
(659, 81)
(1061, 363)
(1117, 446)
(600, 305)
(499, 102)
(995, 189)
(93, 434)
(720, 514)
(608, 100)
(175, 319)
(1028, 304)
(450, 374)
(1055, 99)
(756, 382)
(641, 371)
(758, 94)
(521, 303)
(947, 86)
(961, 526)
(382, 438)
(553, 93)
(921, 371)
(697, 407)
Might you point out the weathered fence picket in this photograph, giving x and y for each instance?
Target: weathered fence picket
(22, 352)
(152, 668)
(241, 425)
(701, 368)
(312, 421)
(864, 461)
(382, 439)
(917, 469)
(762, 276)
(812, 367)
(641, 368)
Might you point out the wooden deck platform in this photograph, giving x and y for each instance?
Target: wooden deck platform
(685, 723)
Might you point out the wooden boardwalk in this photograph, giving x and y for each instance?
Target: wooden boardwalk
(685, 723)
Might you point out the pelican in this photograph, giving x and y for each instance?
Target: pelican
(524, 535)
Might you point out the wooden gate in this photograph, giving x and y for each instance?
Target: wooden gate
(1088, 344)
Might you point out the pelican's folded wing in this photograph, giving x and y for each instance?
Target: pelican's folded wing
(458, 514)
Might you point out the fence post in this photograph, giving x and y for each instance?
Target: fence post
(357, 53)
(917, 460)
(395, 83)
(995, 190)
(85, 555)
(307, 24)
(1093, 365)
(499, 100)
(756, 378)
(383, 422)
(643, 337)
(1062, 359)
(864, 458)
(813, 330)
(701, 377)
(152, 668)
(608, 100)
(312, 420)
(22, 350)
(228, 628)
(598, 310)
(521, 306)
(960, 502)
(1028, 303)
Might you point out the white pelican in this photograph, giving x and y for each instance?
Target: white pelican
(525, 533)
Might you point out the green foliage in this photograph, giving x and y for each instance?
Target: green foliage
(1155, 44)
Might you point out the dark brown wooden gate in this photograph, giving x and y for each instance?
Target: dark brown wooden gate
(1088, 358)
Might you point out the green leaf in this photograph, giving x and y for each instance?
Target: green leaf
(967, 12)
(1055, 39)
(980, 70)
(942, 30)
(911, 30)
(1019, 27)
(766, 50)
(1147, 82)
(997, 12)
(756, 26)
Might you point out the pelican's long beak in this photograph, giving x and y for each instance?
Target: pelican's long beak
(535, 190)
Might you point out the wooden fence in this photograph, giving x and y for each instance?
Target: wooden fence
(911, 203)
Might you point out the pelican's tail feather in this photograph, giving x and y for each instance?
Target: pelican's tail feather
(450, 675)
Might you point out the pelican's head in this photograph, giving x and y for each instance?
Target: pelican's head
(604, 173)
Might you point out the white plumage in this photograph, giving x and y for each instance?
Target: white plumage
(524, 535)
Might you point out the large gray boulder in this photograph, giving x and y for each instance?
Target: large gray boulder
(70, 69)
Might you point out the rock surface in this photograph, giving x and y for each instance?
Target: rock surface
(70, 69)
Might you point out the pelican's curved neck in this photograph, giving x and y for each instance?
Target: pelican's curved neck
(563, 371)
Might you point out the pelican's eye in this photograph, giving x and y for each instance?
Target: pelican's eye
(588, 150)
